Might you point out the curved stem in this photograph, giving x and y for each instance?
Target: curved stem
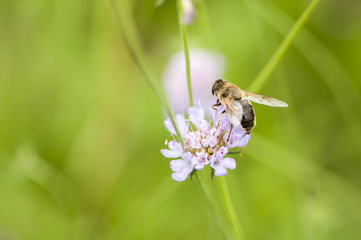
(183, 32)
(231, 213)
(127, 29)
(265, 73)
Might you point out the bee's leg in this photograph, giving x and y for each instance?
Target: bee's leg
(219, 119)
(216, 105)
(244, 135)
(230, 131)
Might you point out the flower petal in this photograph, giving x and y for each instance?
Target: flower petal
(243, 141)
(229, 163)
(187, 157)
(169, 126)
(205, 142)
(182, 124)
(239, 139)
(215, 113)
(175, 146)
(196, 115)
(170, 153)
(220, 171)
(180, 177)
(222, 151)
(177, 165)
(199, 166)
(224, 124)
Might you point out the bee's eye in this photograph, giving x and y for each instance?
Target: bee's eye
(215, 86)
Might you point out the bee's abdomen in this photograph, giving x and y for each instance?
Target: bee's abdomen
(249, 118)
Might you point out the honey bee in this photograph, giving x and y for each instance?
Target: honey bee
(237, 106)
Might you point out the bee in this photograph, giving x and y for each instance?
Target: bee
(237, 104)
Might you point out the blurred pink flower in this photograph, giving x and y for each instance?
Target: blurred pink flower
(205, 68)
(188, 12)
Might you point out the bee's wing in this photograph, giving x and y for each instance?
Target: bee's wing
(265, 100)
(234, 111)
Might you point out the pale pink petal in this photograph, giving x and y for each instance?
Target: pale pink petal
(195, 160)
(243, 141)
(229, 163)
(196, 115)
(187, 157)
(223, 151)
(175, 146)
(220, 171)
(199, 166)
(239, 138)
(180, 177)
(170, 153)
(200, 160)
(189, 12)
(169, 126)
(181, 123)
(205, 142)
(177, 165)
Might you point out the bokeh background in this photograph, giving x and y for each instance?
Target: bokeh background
(81, 131)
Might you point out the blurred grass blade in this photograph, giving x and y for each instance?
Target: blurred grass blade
(281, 50)
(345, 92)
(158, 3)
(230, 211)
(128, 30)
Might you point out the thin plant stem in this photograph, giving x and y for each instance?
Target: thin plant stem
(183, 32)
(212, 206)
(128, 31)
(230, 211)
(265, 73)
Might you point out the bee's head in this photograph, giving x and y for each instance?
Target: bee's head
(217, 84)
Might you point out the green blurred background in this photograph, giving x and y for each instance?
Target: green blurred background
(81, 131)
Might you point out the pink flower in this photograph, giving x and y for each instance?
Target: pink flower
(205, 145)
(188, 12)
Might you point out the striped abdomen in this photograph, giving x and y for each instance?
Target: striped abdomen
(249, 117)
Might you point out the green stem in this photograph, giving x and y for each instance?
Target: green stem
(230, 211)
(128, 31)
(265, 73)
(212, 207)
(183, 32)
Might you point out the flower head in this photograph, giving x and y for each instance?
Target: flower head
(189, 12)
(206, 144)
